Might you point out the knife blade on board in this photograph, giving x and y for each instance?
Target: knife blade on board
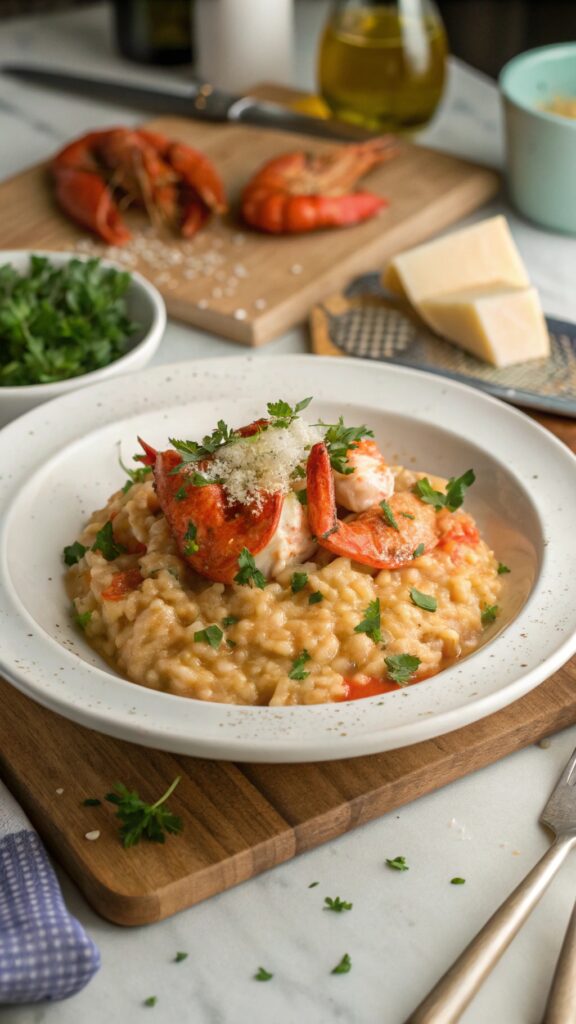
(194, 99)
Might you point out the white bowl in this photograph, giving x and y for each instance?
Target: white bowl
(145, 306)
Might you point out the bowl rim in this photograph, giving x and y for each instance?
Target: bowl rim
(527, 57)
(150, 340)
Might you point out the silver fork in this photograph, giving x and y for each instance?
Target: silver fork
(450, 997)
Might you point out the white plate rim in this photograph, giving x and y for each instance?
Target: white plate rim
(321, 732)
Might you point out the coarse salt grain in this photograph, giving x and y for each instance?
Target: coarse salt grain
(60, 791)
(260, 304)
(296, 268)
(240, 314)
(93, 835)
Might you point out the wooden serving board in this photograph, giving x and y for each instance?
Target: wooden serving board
(239, 820)
(248, 286)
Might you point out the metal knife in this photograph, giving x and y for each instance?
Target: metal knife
(192, 99)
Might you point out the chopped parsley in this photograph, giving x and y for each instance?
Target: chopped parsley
(142, 820)
(302, 495)
(370, 624)
(339, 439)
(91, 801)
(247, 571)
(74, 552)
(106, 544)
(343, 966)
(313, 885)
(262, 974)
(190, 542)
(181, 494)
(452, 498)
(397, 863)
(135, 476)
(336, 904)
(198, 480)
(212, 635)
(407, 515)
(230, 620)
(180, 957)
(418, 551)
(81, 618)
(282, 414)
(425, 601)
(316, 597)
(297, 671)
(489, 613)
(151, 1001)
(389, 515)
(298, 582)
(502, 569)
(61, 322)
(401, 667)
(457, 881)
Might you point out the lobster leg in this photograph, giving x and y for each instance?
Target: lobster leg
(85, 197)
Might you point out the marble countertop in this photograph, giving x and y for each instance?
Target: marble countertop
(405, 928)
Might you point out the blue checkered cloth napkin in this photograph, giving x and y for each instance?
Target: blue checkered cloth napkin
(44, 951)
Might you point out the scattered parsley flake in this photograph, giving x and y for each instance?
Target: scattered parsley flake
(248, 573)
(407, 515)
(299, 473)
(418, 551)
(457, 881)
(501, 570)
(181, 494)
(212, 635)
(313, 885)
(453, 496)
(339, 439)
(489, 613)
(180, 957)
(298, 581)
(74, 552)
(142, 820)
(81, 618)
(397, 863)
(389, 515)
(297, 671)
(302, 495)
(190, 542)
(282, 414)
(425, 601)
(316, 597)
(198, 480)
(343, 966)
(230, 620)
(106, 544)
(336, 904)
(370, 624)
(401, 666)
(262, 974)
(135, 476)
(91, 801)
(151, 1001)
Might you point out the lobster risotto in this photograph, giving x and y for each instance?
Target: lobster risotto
(284, 562)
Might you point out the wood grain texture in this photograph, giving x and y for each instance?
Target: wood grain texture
(428, 191)
(240, 820)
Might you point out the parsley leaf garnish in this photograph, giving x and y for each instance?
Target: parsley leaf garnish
(198, 480)
(190, 542)
(397, 864)
(336, 904)
(339, 440)
(457, 881)
(302, 495)
(180, 957)
(151, 1001)
(489, 613)
(248, 573)
(135, 476)
(230, 620)
(212, 635)
(401, 666)
(181, 494)
(81, 618)
(91, 801)
(418, 551)
(106, 544)
(297, 671)
(282, 414)
(343, 966)
(316, 597)
(501, 570)
(298, 581)
(142, 820)
(452, 498)
(389, 515)
(371, 622)
(193, 451)
(262, 974)
(425, 601)
(74, 552)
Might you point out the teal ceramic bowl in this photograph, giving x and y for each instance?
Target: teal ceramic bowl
(541, 146)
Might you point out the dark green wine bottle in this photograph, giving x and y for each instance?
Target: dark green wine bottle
(154, 31)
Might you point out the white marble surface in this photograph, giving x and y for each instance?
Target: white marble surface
(405, 928)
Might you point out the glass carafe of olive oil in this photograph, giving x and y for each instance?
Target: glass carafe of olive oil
(382, 65)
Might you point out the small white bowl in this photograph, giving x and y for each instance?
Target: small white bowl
(145, 306)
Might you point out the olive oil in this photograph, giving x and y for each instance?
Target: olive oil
(382, 67)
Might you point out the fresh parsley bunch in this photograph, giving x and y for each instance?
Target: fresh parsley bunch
(61, 322)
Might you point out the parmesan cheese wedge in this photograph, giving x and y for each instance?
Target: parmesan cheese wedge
(501, 325)
(481, 255)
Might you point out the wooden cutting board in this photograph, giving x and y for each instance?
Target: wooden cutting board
(248, 286)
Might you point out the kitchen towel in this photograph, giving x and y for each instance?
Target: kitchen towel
(44, 951)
